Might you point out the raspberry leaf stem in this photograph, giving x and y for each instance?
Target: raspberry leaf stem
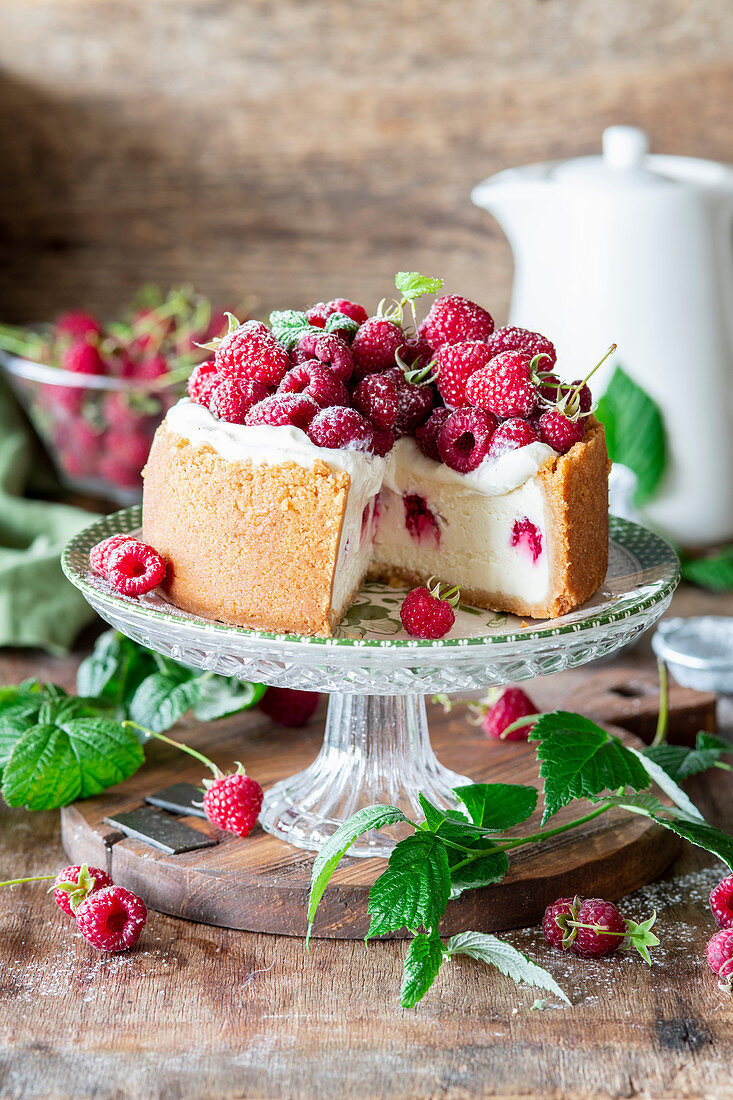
(33, 878)
(152, 734)
(641, 937)
(660, 735)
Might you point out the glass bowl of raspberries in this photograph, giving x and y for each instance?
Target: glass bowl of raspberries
(96, 392)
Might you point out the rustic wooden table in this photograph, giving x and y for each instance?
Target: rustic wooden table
(197, 1011)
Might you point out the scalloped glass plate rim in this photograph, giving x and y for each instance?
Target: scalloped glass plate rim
(129, 519)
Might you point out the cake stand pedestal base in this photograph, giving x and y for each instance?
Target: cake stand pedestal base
(376, 750)
(261, 884)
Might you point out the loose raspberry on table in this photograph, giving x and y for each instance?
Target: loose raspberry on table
(721, 903)
(77, 324)
(513, 338)
(453, 320)
(287, 707)
(317, 381)
(510, 436)
(512, 704)
(134, 568)
(719, 954)
(425, 614)
(232, 399)
(376, 396)
(251, 351)
(341, 428)
(505, 386)
(426, 436)
(233, 802)
(296, 409)
(73, 885)
(112, 919)
(554, 932)
(99, 554)
(463, 441)
(605, 935)
(375, 345)
(330, 350)
(454, 365)
(559, 431)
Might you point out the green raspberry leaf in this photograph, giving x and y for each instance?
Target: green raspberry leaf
(412, 285)
(331, 853)
(681, 761)
(288, 325)
(19, 708)
(668, 785)
(422, 964)
(579, 759)
(415, 888)
(497, 806)
(714, 571)
(220, 696)
(634, 433)
(671, 817)
(55, 763)
(163, 698)
(115, 670)
(514, 964)
(466, 873)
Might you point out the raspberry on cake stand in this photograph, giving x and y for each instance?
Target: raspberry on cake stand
(377, 746)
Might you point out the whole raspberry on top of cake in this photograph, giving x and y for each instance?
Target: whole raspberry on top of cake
(331, 444)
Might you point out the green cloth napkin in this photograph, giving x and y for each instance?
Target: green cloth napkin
(38, 606)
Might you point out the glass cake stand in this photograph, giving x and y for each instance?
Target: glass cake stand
(376, 746)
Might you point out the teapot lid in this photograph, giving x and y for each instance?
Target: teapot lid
(625, 160)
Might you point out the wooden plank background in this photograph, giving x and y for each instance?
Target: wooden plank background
(293, 150)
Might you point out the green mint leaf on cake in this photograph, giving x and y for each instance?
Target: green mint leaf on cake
(330, 855)
(414, 890)
(497, 806)
(339, 322)
(507, 959)
(421, 967)
(61, 759)
(288, 325)
(221, 696)
(715, 571)
(412, 285)
(579, 759)
(634, 433)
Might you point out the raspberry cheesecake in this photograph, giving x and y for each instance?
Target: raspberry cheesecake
(331, 446)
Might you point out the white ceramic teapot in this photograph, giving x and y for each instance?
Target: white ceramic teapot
(637, 250)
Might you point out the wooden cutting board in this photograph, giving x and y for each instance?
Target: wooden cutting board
(261, 883)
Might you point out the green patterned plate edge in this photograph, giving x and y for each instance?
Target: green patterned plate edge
(648, 548)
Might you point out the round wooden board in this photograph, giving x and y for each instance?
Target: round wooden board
(261, 884)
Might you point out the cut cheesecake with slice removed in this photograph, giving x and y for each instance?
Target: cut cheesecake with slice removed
(262, 528)
(525, 533)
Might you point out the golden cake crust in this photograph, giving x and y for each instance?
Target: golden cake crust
(576, 501)
(253, 545)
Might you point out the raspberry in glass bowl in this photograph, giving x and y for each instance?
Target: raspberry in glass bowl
(95, 393)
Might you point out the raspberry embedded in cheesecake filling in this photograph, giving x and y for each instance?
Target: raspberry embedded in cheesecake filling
(420, 521)
(527, 536)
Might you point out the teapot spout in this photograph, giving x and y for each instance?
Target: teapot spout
(519, 200)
